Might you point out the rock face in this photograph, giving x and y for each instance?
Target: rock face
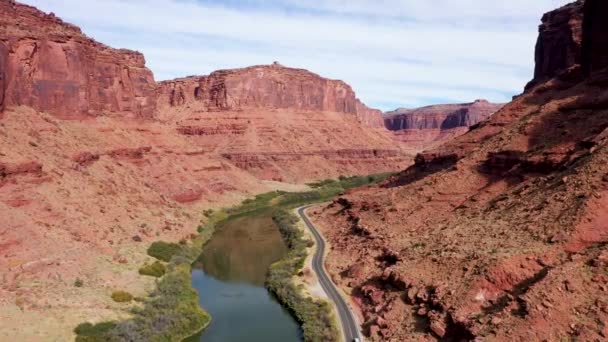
(265, 87)
(51, 66)
(595, 36)
(559, 42)
(426, 127)
(446, 116)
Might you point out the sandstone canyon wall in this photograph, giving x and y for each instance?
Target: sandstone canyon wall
(266, 87)
(430, 126)
(559, 41)
(595, 39)
(502, 233)
(51, 66)
(445, 117)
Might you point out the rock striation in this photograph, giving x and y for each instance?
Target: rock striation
(444, 116)
(265, 87)
(430, 126)
(52, 66)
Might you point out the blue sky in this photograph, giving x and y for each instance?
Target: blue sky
(395, 53)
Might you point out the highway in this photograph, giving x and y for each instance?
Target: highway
(347, 318)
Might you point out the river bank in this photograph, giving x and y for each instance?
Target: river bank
(171, 312)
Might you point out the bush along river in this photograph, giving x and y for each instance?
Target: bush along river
(234, 281)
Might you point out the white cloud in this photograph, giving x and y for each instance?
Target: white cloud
(402, 52)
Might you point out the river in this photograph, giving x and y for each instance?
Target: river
(229, 277)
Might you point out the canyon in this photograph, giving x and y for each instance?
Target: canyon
(495, 228)
(431, 126)
(501, 233)
(98, 160)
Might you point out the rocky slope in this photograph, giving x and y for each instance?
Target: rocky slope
(97, 160)
(431, 126)
(501, 234)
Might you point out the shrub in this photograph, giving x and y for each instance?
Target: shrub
(318, 323)
(156, 269)
(78, 282)
(323, 183)
(122, 296)
(163, 250)
(172, 313)
(88, 332)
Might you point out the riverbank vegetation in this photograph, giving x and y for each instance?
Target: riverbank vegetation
(318, 322)
(156, 269)
(172, 312)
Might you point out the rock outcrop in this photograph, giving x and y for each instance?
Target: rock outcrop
(559, 42)
(444, 116)
(595, 37)
(430, 126)
(265, 87)
(52, 66)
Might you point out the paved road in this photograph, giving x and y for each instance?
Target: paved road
(349, 324)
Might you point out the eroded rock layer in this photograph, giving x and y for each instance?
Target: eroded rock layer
(499, 235)
(266, 87)
(51, 66)
(430, 126)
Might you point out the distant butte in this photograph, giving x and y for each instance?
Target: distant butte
(431, 126)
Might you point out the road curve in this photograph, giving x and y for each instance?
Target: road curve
(349, 324)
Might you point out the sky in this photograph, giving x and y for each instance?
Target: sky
(394, 53)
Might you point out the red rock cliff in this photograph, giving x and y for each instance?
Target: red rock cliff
(265, 86)
(595, 36)
(559, 42)
(446, 116)
(52, 66)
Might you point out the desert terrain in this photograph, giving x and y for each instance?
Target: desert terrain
(501, 233)
(495, 226)
(98, 160)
